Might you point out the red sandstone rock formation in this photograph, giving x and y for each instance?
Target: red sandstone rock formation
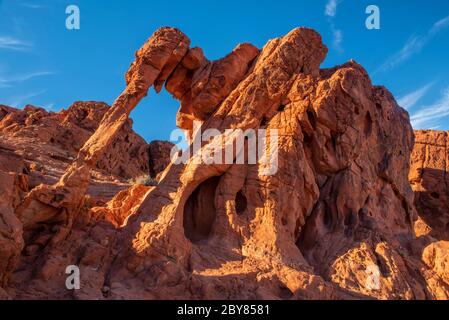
(42, 137)
(202, 85)
(430, 182)
(159, 156)
(38, 146)
(335, 220)
(64, 200)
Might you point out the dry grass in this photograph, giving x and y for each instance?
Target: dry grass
(145, 180)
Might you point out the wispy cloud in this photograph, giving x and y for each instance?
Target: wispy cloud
(414, 45)
(440, 25)
(331, 8)
(429, 116)
(331, 11)
(4, 84)
(410, 99)
(31, 5)
(7, 82)
(338, 39)
(11, 43)
(49, 107)
(18, 101)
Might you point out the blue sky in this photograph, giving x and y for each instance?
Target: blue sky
(43, 63)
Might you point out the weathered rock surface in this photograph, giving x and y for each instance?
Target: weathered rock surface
(202, 85)
(154, 62)
(429, 179)
(331, 217)
(34, 133)
(12, 187)
(159, 154)
(38, 146)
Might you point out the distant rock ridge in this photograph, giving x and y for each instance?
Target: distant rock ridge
(429, 177)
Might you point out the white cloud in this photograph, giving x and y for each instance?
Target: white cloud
(18, 101)
(7, 82)
(338, 39)
(32, 5)
(331, 8)
(11, 43)
(4, 84)
(337, 34)
(414, 45)
(428, 116)
(410, 99)
(440, 25)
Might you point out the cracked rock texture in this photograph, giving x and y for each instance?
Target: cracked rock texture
(36, 148)
(430, 181)
(336, 219)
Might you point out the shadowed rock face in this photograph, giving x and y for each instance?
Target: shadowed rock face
(334, 220)
(159, 156)
(430, 182)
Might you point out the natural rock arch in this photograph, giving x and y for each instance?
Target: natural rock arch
(293, 242)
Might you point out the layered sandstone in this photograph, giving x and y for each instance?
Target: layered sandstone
(37, 147)
(333, 220)
(430, 181)
(52, 140)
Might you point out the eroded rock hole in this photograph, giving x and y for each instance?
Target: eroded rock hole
(200, 212)
(331, 144)
(435, 195)
(350, 220)
(307, 138)
(241, 203)
(368, 126)
(327, 218)
(312, 118)
(284, 221)
(285, 293)
(151, 170)
(383, 266)
(25, 170)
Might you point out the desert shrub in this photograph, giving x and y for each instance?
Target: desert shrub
(145, 180)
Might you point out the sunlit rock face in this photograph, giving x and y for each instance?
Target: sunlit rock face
(430, 181)
(333, 220)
